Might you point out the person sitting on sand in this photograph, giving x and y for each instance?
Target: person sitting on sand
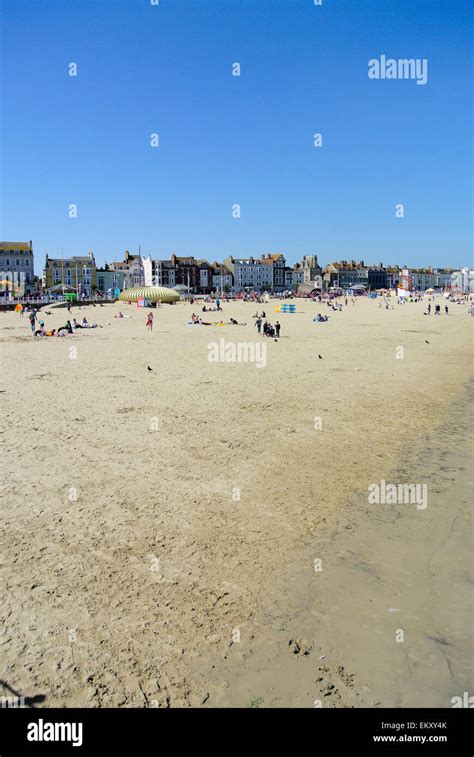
(85, 324)
(234, 322)
(119, 314)
(75, 324)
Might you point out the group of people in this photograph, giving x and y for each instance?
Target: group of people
(437, 310)
(196, 320)
(266, 328)
(211, 310)
(38, 327)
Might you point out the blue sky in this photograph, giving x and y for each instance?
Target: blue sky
(167, 69)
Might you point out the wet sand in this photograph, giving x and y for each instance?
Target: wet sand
(160, 528)
(384, 569)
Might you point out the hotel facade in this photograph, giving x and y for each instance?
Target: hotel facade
(17, 266)
(78, 273)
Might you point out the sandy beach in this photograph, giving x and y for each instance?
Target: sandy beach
(200, 534)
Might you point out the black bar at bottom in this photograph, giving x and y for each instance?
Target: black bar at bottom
(102, 731)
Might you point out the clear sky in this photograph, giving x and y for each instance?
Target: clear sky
(167, 69)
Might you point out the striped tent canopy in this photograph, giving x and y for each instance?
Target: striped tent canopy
(152, 294)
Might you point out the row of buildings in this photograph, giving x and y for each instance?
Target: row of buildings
(269, 272)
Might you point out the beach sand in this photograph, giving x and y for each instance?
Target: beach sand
(160, 529)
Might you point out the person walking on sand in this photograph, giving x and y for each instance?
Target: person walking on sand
(149, 322)
(258, 324)
(32, 317)
(277, 329)
(446, 309)
(429, 309)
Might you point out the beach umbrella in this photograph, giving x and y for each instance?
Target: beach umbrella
(430, 290)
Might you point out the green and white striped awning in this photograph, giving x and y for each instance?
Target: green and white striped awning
(152, 294)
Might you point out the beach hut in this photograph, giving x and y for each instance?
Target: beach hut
(151, 294)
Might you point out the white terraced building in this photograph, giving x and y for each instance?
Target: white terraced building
(17, 265)
(256, 274)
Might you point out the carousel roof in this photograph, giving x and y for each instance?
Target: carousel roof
(153, 294)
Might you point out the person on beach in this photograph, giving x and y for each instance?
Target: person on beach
(149, 322)
(32, 317)
(438, 310)
(429, 309)
(258, 324)
(446, 309)
(277, 329)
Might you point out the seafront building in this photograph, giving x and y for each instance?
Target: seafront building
(463, 280)
(132, 268)
(312, 271)
(109, 281)
(269, 272)
(17, 266)
(77, 273)
(259, 274)
(222, 278)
